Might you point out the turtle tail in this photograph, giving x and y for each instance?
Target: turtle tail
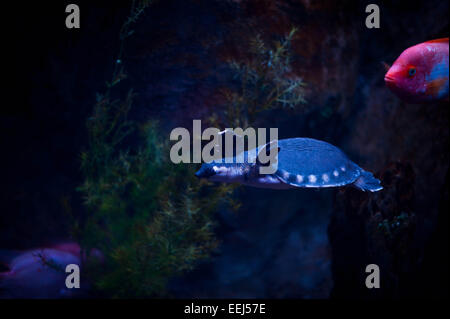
(367, 182)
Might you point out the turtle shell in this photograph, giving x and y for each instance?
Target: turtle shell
(306, 162)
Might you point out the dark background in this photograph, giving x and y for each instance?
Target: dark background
(297, 244)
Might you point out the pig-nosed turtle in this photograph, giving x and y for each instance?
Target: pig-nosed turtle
(302, 162)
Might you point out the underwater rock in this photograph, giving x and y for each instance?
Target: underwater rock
(40, 272)
(379, 229)
(271, 249)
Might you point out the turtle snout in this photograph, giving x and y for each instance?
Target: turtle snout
(205, 172)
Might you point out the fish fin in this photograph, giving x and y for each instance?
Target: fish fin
(441, 40)
(367, 182)
(386, 66)
(435, 86)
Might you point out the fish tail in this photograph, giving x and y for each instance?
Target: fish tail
(367, 182)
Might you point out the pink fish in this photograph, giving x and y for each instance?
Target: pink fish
(420, 73)
(39, 273)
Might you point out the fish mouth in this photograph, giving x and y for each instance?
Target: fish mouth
(389, 79)
(390, 82)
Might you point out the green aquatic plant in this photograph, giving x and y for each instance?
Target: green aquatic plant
(397, 229)
(266, 82)
(147, 215)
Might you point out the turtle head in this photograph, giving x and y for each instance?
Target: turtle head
(205, 171)
(221, 172)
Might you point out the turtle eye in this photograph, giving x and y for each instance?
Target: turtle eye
(412, 71)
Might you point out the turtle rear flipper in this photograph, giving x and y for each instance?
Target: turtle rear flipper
(367, 182)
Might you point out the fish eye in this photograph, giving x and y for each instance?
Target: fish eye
(412, 71)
